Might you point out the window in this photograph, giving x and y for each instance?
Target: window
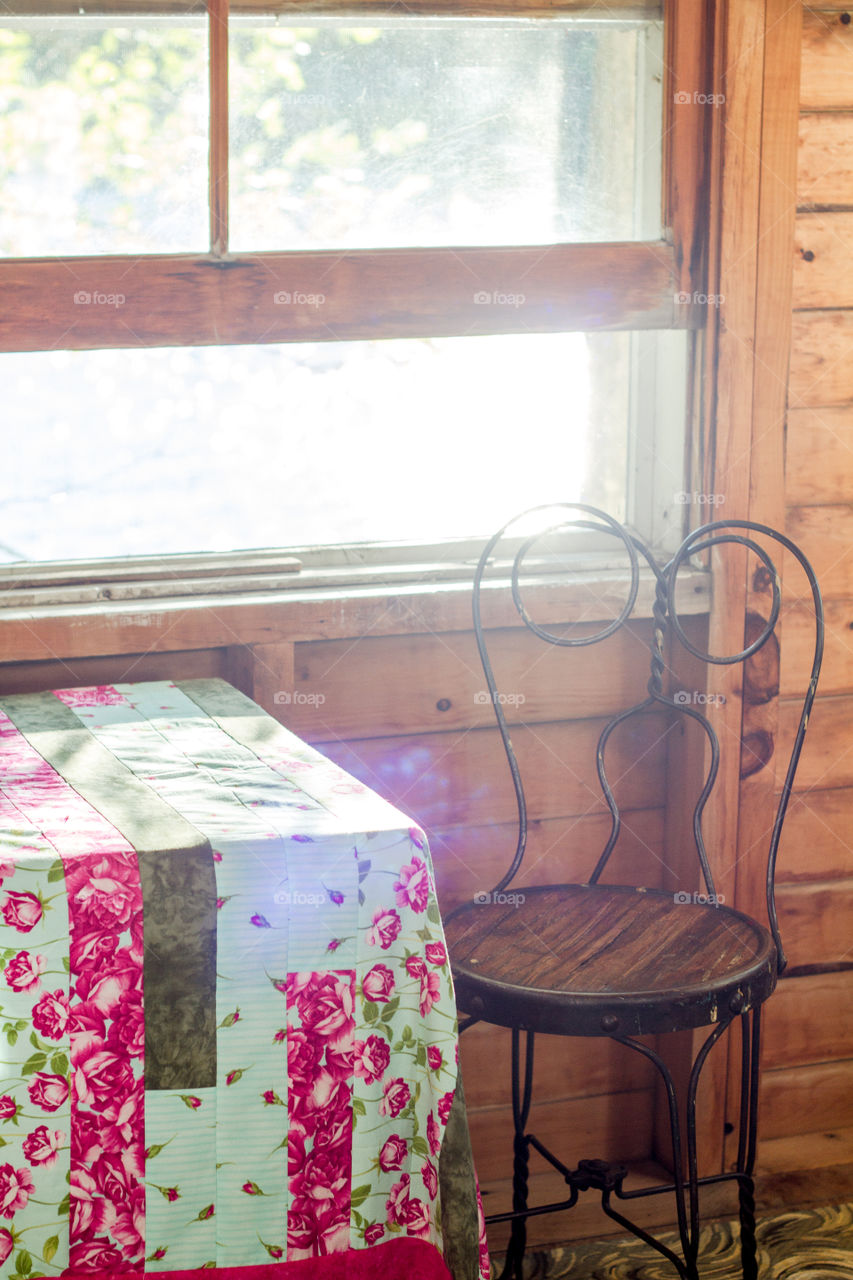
(439, 289)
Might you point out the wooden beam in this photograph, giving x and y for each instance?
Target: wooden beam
(825, 168)
(730, 352)
(777, 212)
(688, 95)
(836, 674)
(821, 1097)
(809, 1020)
(827, 48)
(439, 777)
(827, 759)
(594, 10)
(764, 437)
(218, 156)
(80, 303)
(272, 679)
(823, 275)
(390, 607)
(559, 850)
(821, 370)
(432, 683)
(819, 821)
(825, 534)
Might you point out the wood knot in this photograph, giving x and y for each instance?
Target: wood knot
(756, 752)
(763, 579)
(761, 671)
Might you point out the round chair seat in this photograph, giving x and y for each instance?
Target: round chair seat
(595, 960)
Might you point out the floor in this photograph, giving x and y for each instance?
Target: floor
(799, 1244)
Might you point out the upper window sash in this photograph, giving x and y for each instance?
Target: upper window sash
(220, 297)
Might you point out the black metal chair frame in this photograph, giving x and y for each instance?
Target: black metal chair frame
(606, 1177)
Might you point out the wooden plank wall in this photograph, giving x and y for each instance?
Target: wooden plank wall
(434, 750)
(808, 1082)
(408, 715)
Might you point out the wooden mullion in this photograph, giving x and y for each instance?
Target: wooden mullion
(361, 294)
(689, 104)
(218, 156)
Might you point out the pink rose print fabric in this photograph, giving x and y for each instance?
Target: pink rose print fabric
(79, 1079)
(319, 1090)
(317, 1136)
(107, 1046)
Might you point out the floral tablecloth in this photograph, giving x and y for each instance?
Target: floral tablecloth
(227, 1027)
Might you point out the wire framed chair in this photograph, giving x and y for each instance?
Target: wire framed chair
(624, 961)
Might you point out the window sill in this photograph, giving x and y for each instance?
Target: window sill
(330, 604)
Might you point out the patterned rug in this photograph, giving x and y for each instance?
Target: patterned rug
(801, 1244)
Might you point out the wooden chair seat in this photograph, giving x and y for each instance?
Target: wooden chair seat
(590, 959)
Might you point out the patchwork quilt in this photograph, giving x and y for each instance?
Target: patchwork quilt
(227, 1027)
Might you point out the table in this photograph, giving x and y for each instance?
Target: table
(227, 1034)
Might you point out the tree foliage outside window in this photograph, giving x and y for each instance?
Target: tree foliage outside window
(425, 133)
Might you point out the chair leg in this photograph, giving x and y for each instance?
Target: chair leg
(687, 1207)
(687, 1268)
(691, 1252)
(748, 1252)
(750, 1062)
(521, 1094)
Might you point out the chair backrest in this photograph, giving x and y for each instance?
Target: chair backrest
(660, 692)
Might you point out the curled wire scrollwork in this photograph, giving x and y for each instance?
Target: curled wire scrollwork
(665, 617)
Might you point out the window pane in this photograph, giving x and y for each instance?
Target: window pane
(444, 132)
(103, 137)
(151, 451)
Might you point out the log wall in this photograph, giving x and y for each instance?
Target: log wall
(808, 1080)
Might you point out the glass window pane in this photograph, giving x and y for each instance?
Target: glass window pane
(103, 136)
(185, 449)
(431, 132)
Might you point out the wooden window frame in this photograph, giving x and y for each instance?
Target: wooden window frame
(223, 298)
(220, 298)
